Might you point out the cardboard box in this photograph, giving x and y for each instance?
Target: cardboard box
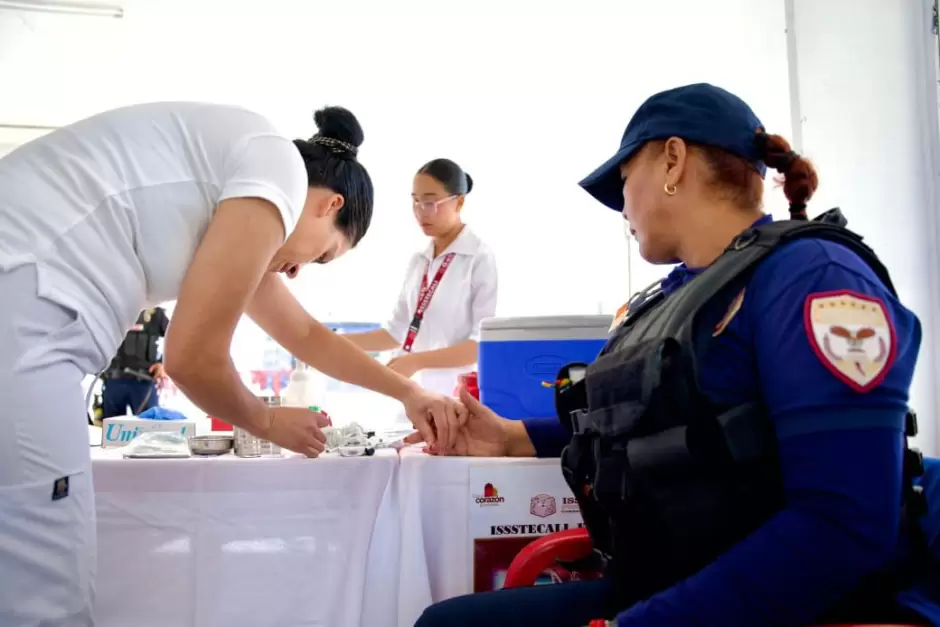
(120, 430)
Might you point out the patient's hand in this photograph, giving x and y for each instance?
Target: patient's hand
(484, 434)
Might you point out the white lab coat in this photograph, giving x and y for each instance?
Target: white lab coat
(466, 294)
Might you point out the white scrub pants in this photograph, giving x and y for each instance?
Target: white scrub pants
(47, 544)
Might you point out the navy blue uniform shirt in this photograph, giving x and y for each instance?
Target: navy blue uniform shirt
(831, 352)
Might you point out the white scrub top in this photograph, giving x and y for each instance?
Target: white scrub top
(465, 295)
(112, 208)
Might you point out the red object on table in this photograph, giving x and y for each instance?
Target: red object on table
(569, 546)
(219, 425)
(470, 381)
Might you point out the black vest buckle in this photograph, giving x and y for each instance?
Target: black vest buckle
(913, 463)
(910, 423)
(744, 240)
(917, 502)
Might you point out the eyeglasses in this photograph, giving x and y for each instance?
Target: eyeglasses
(429, 206)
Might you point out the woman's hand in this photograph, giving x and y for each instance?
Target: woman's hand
(159, 376)
(157, 372)
(297, 430)
(484, 434)
(437, 418)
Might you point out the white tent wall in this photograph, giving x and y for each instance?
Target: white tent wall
(528, 98)
(866, 98)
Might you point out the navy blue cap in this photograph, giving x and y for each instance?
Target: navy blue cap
(700, 113)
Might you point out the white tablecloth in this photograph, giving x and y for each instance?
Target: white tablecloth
(434, 496)
(229, 542)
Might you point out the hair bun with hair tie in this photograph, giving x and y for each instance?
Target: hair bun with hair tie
(337, 146)
(337, 130)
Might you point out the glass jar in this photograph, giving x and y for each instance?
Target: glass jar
(248, 445)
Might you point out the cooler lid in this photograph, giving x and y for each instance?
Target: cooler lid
(537, 323)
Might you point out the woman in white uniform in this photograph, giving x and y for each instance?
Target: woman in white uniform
(205, 204)
(450, 286)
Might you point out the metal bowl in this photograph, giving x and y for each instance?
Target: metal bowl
(211, 444)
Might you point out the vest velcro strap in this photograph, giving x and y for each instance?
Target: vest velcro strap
(660, 452)
(611, 481)
(654, 369)
(616, 421)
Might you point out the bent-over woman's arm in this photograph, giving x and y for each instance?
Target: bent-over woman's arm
(259, 204)
(277, 311)
(375, 341)
(217, 289)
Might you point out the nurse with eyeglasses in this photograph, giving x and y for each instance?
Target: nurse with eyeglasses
(449, 287)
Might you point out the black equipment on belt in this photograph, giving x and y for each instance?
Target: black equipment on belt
(667, 480)
(139, 352)
(97, 409)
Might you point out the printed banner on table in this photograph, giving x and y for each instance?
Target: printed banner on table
(510, 505)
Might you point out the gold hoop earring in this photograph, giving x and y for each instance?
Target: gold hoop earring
(670, 191)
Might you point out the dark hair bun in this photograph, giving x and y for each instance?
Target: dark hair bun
(339, 123)
(448, 174)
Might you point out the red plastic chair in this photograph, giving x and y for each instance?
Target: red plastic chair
(540, 555)
(570, 545)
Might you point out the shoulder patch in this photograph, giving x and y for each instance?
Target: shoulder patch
(733, 310)
(853, 335)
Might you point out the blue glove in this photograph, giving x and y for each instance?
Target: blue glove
(161, 413)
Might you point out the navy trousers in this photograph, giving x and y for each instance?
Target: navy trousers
(577, 603)
(119, 394)
(572, 604)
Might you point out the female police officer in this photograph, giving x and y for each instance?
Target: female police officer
(738, 445)
(201, 203)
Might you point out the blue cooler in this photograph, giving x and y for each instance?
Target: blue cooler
(352, 327)
(519, 355)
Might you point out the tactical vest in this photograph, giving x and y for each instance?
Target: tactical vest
(667, 480)
(138, 351)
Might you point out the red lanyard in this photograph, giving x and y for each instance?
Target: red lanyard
(424, 299)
